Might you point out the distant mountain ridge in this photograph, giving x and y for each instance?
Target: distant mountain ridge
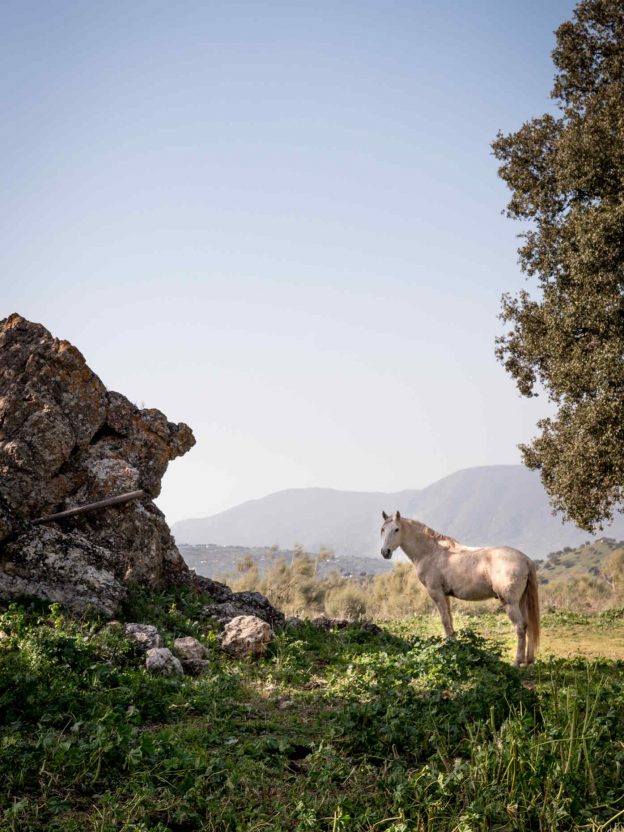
(496, 504)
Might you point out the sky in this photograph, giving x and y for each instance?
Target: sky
(278, 222)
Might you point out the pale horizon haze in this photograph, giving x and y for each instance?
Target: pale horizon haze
(277, 222)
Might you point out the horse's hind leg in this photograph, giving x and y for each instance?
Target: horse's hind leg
(517, 619)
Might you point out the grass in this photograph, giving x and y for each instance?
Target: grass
(563, 634)
(331, 731)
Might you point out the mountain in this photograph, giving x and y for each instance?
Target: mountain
(346, 521)
(497, 504)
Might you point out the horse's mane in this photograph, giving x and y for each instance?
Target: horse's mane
(441, 539)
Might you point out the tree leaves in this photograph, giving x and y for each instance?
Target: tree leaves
(565, 175)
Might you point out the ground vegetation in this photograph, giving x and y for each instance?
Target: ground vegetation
(332, 730)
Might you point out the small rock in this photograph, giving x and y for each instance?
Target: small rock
(192, 655)
(189, 648)
(246, 636)
(145, 635)
(3, 636)
(161, 662)
(285, 704)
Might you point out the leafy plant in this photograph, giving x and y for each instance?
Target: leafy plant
(332, 730)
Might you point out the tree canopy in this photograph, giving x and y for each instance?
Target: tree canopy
(566, 335)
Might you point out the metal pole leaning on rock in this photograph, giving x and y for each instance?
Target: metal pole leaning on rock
(109, 501)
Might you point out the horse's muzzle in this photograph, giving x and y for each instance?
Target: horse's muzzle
(387, 553)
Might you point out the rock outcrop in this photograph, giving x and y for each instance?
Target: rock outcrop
(66, 441)
(65, 568)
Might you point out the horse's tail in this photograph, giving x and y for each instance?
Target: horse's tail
(529, 604)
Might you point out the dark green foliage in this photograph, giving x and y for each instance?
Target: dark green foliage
(565, 173)
(177, 611)
(380, 733)
(426, 699)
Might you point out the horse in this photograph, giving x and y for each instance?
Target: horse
(447, 569)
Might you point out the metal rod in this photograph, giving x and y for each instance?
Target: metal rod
(110, 501)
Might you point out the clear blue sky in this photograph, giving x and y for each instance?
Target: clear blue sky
(278, 222)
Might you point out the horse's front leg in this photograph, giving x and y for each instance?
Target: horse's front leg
(443, 603)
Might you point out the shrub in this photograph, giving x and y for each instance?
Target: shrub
(398, 594)
(586, 593)
(347, 601)
(614, 571)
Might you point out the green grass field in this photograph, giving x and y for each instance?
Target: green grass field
(339, 730)
(564, 635)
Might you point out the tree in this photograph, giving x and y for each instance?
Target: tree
(566, 176)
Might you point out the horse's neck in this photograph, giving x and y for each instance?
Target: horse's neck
(416, 544)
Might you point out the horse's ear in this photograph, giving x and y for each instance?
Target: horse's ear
(384, 515)
(397, 515)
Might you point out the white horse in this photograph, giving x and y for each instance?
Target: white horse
(448, 569)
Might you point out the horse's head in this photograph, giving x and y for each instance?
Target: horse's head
(390, 534)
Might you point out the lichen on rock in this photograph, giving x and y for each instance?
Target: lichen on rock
(63, 568)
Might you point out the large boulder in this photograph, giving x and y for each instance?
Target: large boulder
(66, 441)
(64, 568)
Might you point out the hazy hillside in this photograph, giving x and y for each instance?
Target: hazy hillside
(496, 504)
(493, 504)
(580, 560)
